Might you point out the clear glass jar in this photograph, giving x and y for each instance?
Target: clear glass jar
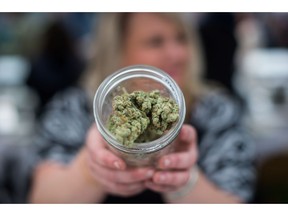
(133, 78)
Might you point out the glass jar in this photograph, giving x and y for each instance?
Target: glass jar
(129, 79)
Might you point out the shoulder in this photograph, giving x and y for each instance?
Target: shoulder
(66, 119)
(66, 108)
(216, 110)
(226, 151)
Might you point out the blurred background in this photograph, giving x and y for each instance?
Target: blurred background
(44, 53)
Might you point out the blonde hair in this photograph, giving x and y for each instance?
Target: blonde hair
(108, 53)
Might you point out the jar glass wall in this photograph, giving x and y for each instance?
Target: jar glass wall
(135, 78)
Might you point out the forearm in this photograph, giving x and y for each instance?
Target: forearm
(55, 183)
(204, 191)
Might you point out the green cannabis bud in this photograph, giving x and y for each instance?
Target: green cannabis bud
(141, 116)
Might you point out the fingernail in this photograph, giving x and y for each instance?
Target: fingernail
(167, 162)
(149, 174)
(117, 165)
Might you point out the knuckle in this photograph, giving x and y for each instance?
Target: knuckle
(176, 179)
(134, 174)
(157, 176)
(106, 159)
(123, 177)
(179, 179)
(171, 178)
(176, 160)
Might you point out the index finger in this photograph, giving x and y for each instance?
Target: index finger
(187, 153)
(97, 148)
(183, 160)
(188, 135)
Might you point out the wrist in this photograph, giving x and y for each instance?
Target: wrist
(187, 188)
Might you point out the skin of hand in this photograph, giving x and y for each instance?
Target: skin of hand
(95, 173)
(173, 170)
(111, 171)
(117, 179)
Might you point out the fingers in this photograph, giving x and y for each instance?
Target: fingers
(110, 170)
(187, 153)
(118, 182)
(99, 153)
(159, 188)
(127, 190)
(178, 160)
(172, 179)
(174, 167)
(127, 176)
(106, 158)
(187, 134)
(121, 189)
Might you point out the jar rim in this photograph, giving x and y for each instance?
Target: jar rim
(135, 72)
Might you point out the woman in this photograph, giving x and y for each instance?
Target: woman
(87, 171)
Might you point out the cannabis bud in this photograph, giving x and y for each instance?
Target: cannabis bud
(141, 116)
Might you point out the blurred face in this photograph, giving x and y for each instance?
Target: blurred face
(155, 40)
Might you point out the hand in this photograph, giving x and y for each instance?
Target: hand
(174, 168)
(111, 171)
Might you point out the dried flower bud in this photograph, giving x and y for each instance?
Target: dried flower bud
(141, 116)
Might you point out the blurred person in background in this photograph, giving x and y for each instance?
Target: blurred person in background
(52, 43)
(76, 164)
(57, 66)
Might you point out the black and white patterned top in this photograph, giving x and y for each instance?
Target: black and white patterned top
(17, 163)
(226, 153)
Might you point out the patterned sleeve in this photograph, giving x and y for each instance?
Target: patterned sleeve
(226, 152)
(63, 126)
(17, 163)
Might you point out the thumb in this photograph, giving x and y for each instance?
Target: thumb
(188, 134)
